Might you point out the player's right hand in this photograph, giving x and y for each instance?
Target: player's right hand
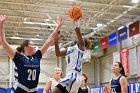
(107, 89)
(60, 22)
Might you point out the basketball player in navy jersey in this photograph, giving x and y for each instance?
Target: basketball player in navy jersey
(84, 88)
(118, 84)
(73, 55)
(26, 59)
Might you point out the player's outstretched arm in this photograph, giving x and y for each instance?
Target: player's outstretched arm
(79, 35)
(51, 38)
(6, 46)
(59, 52)
(48, 86)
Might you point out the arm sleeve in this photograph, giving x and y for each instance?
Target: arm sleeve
(17, 58)
(38, 54)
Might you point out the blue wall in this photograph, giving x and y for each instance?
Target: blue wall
(40, 90)
(133, 88)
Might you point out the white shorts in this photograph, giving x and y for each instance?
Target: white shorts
(71, 82)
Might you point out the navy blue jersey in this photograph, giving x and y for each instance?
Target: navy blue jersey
(85, 90)
(115, 85)
(27, 69)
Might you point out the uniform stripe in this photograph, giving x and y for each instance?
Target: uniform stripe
(73, 81)
(77, 62)
(68, 59)
(67, 79)
(73, 57)
(25, 88)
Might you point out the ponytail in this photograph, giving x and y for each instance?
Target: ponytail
(19, 49)
(122, 72)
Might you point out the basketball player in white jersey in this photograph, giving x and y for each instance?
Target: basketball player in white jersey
(52, 82)
(74, 54)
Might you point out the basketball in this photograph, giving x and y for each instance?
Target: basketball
(75, 12)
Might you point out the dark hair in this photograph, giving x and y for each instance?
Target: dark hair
(85, 77)
(121, 66)
(86, 42)
(23, 44)
(75, 42)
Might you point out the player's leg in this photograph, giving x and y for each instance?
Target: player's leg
(59, 89)
(76, 84)
(65, 85)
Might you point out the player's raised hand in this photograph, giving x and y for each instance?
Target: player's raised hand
(60, 21)
(58, 35)
(2, 18)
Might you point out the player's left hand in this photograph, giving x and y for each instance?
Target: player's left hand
(77, 23)
(2, 18)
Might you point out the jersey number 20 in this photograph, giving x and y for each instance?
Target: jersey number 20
(32, 74)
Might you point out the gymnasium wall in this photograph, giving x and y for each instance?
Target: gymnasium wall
(88, 69)
(103, 64)
(4, 71)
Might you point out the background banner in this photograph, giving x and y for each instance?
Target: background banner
(112, 39)
(122, 34)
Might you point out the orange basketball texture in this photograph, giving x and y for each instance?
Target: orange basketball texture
(75, 12)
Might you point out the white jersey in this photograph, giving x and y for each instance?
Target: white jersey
(74, 59)
(54, 83)
(72, 81)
